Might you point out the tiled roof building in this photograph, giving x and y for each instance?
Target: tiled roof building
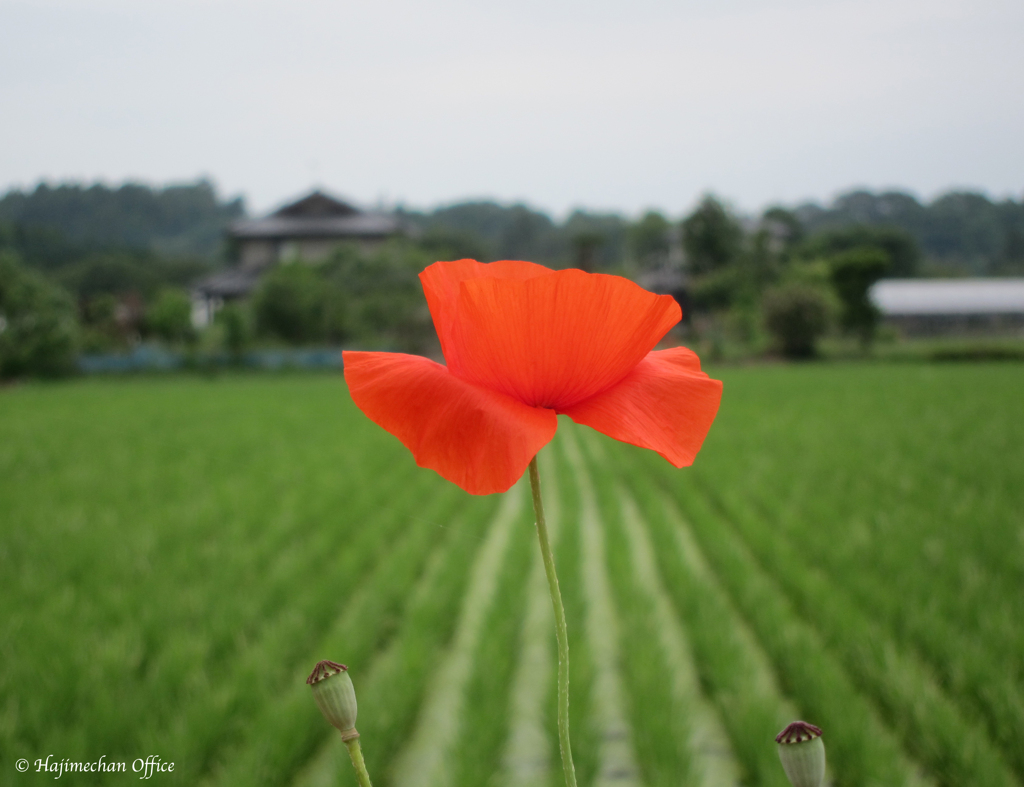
(308, 230)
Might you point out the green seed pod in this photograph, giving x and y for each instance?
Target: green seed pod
(333, 692)
(802, 753)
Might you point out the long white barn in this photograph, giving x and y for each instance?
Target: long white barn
(929, 306)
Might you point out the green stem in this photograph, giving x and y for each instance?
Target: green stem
(356, 754)
(561, 634)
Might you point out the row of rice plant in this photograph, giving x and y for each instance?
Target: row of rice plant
(929, 723)
(111, 486)
(822, 524)
(823, 559)
(947, 573)
(861, 748)
(373, 618)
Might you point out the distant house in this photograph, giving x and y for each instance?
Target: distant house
(669, 280)
(921, 307)
(308, 230)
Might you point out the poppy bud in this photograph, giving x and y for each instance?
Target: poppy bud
(333, 692)
(802, 753)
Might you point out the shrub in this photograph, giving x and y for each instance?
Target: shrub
(853, 273)
(236, 328)
(170, 316)
(796, 315)
(38, 331)
(290, 304)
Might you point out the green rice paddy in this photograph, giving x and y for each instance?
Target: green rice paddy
(848, 549)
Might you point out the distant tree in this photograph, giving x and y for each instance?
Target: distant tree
(796, 314)
(600, 238)
(44, 248)
(504, 231)
(853, 272)
(525, 235)
(901, 249)
(783, 228)
(959, 232)
(177, 221)
(649, 240)
(488, 231)
(486, 220)
(585, 248)
(110, 273)
(969, 231)
(1011, 259)
(446, 243)
(38, 331)
(715, 291)
(235, 320)
(290, 304)
(170, 316)
(381, 293)
(712, 237)
(101, 329)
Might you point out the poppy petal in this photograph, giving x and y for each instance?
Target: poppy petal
(556, 339)
(441, 286)
(666, 404)
(479, 439)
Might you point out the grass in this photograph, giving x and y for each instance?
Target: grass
(176, 553)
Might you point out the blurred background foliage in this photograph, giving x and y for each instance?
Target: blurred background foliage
(103, 268)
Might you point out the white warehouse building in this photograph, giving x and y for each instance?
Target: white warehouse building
(947, 306)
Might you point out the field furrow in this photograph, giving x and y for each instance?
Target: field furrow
(736, 673)
(616, 755)
(484, 728)
(529, 753)
(583, 730)
(713, 761)
(425, 759)
(677, 734)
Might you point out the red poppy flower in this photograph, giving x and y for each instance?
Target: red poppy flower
(524, 343)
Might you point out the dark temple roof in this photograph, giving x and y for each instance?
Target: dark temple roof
(317, 216)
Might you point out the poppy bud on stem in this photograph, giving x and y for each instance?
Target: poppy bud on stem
(561, 633)
(802, 753)
(334, 694)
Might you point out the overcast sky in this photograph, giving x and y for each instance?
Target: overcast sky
(605, 105)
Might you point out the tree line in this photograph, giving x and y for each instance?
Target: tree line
(97, 268)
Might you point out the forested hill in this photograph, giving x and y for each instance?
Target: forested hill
(178, 221)
(958, 232)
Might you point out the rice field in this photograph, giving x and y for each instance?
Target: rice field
(176, 554)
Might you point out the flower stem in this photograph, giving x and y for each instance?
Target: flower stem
(356, 754)
(561, 634)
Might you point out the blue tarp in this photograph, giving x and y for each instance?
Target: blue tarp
(149, 358)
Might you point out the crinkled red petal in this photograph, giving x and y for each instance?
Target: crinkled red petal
(441, 286)
(479, 439)
(557, 339)
(666, 404)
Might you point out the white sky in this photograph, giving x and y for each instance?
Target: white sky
(606, 105)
